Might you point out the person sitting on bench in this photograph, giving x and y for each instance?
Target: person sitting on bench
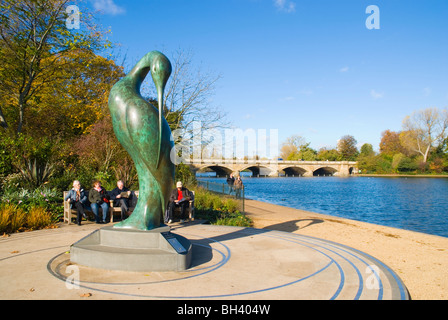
(98, 197)
(180, 197)
(120, 198)
(78, 199)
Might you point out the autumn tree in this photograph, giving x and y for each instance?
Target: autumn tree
(347, 148)
(34, 45)
(390, 143)
(54, 87)
(291, 146)
(71, 107)
(99, 148)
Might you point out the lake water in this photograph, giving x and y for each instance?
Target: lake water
(418, 204)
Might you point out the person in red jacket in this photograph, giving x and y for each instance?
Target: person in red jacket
(179, 197)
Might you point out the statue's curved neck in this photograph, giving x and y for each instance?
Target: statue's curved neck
(141, 70)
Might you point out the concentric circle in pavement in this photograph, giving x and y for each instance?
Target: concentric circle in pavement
(230, 263)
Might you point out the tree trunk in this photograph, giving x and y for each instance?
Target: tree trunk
(425, 156)
(21, 116)
(3, 122)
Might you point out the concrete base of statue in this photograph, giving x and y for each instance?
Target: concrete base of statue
(133, 250)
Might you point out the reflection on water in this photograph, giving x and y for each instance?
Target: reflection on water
(418, 204)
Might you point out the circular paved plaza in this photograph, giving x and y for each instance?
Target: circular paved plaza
(227, 263)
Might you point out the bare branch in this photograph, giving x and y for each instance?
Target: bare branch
(424, 130)
(188, 95)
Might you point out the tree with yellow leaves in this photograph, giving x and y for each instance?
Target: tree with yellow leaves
(71, 106)
(36, 53)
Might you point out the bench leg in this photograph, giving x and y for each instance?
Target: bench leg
(191, 213)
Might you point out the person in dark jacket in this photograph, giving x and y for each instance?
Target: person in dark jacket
(98, 197)
(120, 198)
(180, 197)
(230, 182)
(77, 198)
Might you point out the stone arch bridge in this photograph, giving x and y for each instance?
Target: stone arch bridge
(275, 168)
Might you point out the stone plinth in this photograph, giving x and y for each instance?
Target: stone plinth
(133, 250)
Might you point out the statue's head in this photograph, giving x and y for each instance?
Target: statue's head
(160, 70)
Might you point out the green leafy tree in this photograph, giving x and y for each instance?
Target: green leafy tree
(325, 154)
(366, 150)
(305, 153)
(185, 175)
(367, 159)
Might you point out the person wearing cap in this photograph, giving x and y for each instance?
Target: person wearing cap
(120, 198)
(179, 197)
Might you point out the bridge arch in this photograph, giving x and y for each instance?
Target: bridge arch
(295, 171)
(324, 171)
(256, 169)
(220, 170)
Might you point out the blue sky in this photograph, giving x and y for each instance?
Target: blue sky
(310, 68)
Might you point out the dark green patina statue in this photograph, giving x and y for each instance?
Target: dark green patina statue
(146, 136)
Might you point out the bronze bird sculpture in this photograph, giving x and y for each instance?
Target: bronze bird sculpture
(145, 134)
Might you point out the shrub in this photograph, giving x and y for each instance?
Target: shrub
(49, 199)
(208, 200)
(217, 203)
(12, 181)
(219, 210)
(63, 181)
(406, 165)
(35, 173)
(230, 205)
(202, 199)
(18, 219)
(234, 219)
(12, 218)
(39, 218)
(4, 220)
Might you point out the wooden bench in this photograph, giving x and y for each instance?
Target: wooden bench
(70, 213)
